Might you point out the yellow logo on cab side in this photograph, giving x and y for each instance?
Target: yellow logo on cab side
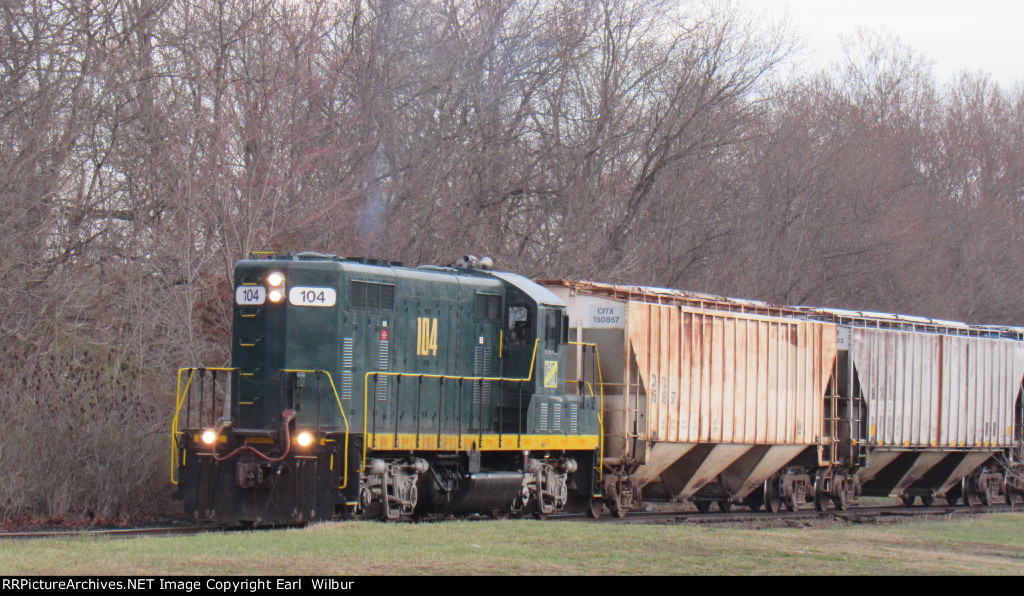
(551, 373)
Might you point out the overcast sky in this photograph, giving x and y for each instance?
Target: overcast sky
(972, 35)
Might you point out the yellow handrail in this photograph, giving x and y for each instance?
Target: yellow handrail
(340, 409)
(366, 387)
(179, 400)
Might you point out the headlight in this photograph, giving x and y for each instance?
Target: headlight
(209, 437)
(275, 279)
(304, 439)
(276, 295)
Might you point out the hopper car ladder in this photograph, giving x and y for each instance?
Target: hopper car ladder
(585, 384)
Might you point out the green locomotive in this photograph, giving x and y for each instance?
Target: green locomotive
(360, 387)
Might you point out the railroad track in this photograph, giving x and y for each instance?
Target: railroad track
(759, 518)
(117, 533)
(786, 518)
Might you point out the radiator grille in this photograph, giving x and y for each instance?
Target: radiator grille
(346, 353)
(382, 366)
(346, 373)
(482, 368)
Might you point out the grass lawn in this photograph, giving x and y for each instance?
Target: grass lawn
(987, 544)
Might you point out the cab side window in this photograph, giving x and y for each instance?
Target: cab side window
(551, 330)
(520, 324)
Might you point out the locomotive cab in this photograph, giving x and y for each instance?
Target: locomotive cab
(537, 332)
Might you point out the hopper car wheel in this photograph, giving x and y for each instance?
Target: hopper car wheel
(617, 506)
(724, 505)
(791, 504)
(594, 508)
(839, 496)
(908, 500)
(971, 497)
(952, 500)
(772, 499)
(927, 501)
(821, 500)
(703, 506)
(755, 506)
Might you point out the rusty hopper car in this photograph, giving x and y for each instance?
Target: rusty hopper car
(930, 408)
(706, 399)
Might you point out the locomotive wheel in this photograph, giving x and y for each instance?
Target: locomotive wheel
(372, 509)
(374, 512)
(595, 507)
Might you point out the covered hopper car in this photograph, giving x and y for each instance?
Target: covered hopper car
(364, 388)
(724, 401)
(929, 409)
